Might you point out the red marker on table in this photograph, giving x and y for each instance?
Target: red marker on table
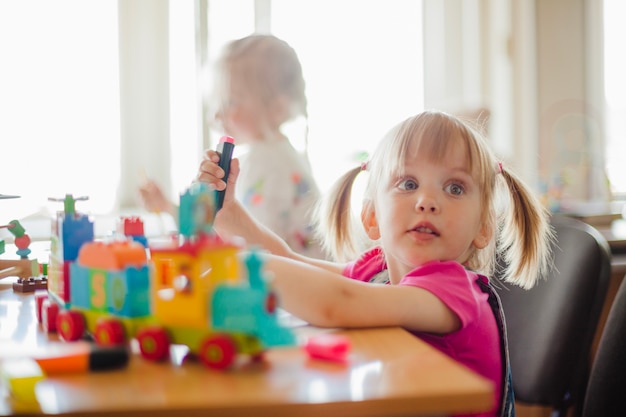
(225, 149)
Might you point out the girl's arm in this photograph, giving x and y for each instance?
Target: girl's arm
(233, 220)
(325, 298)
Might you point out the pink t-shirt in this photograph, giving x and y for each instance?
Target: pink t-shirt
(477, 343)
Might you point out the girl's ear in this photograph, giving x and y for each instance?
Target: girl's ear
(370, 224)
(483, 237)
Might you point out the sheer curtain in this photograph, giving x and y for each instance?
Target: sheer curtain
(59, 104)
(614, 91)
(363, 71)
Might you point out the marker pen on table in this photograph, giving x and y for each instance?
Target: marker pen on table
(87, 358)
(21, 371)
(225, 149)
(75, 357)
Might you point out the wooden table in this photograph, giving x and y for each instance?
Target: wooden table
(389, 372)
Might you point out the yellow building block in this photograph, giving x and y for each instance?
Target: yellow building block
(20, 377)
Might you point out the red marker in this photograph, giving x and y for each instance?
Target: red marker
(225, 149)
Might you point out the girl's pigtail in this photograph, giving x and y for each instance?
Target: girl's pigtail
(526, 237)
(337, 226)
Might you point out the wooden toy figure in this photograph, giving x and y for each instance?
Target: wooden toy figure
(24, 267)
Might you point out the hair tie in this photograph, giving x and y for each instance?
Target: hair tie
(499, 168)
(364, 166)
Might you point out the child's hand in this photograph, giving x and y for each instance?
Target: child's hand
(153, 198)
(211, 174)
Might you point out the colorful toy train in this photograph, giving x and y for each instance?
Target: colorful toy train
(193, 291)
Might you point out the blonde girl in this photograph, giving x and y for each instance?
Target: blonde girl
(437, 209)
(260, 87)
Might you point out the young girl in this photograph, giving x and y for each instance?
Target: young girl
(259, 87)
(437, 209)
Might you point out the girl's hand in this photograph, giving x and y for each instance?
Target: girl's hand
(231, 220)
(210, 173)
(153, 198)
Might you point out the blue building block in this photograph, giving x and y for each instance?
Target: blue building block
(80, 283)
(76, 231)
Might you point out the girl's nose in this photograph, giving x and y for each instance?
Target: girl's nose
(427, 204)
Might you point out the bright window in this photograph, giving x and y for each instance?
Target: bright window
(360, 81)
(615, 88)
(59, 104)
(364, 73)
(60, 91)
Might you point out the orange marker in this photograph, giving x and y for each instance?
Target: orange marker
(89, 358)
(75, 357)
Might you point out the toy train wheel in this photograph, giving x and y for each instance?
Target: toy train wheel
(154, 343)
(218, 352)
(109, 332)
(49, 312)
(70, 325)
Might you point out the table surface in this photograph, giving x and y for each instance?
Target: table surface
(388, 372)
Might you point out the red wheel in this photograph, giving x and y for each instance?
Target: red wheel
(154, 343)
(218, 352)
(40, 297)
(70, 325)
(49, 312)
(109, 332)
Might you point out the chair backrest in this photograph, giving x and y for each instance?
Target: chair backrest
(605, 391)
(551, 326)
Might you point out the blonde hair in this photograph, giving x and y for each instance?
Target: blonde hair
(522, 235)
(269, 67)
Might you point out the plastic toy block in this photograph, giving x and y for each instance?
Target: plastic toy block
(142, 240)
(112, 255)
(79, 283)
(132, 226)
(128, 292)
(197, 210)
(31, 284)
(69, 203)
(327, 346)
(21, 376)
(75, 231)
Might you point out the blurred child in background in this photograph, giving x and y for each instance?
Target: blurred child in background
(258, 88)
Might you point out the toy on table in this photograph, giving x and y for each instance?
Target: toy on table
(21, 374)
(132, 226)
(23, 268)
(328, 347)
(70, 230)
(22, 240)
(33, 283)
(190, 292)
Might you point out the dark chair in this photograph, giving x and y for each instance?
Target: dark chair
(607, 381)
(551, 327)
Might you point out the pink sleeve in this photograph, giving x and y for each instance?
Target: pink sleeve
(452, 284)
(369, 264)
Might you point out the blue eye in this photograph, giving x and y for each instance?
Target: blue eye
(455, 189)
(408, 185)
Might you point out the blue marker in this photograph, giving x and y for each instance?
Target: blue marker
(225, 149)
